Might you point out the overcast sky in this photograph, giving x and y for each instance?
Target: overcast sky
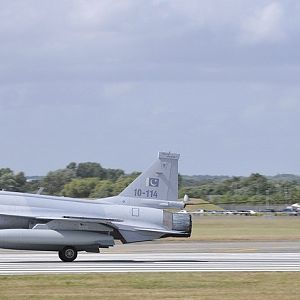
(117, 81)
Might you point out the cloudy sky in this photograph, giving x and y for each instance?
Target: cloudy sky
(117, 81)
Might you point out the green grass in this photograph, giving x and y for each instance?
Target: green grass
(210, 286)
(245, 228)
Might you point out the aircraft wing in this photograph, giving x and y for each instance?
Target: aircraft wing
(70, 222)
(76, 218)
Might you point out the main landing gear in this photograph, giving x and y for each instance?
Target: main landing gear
(67, 254)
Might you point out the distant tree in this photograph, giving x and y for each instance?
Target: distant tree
(90, 169)
(193, 192)
(20, 181)
(180, 181)
(8, 182)
(72, 166)
(256, 183)
(104, 188)
(11, 182)
(55, 180)
(113, 174)
(32, 186)
(123, 182)
(80, 188)
(4, 171)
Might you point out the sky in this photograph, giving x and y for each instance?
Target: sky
(117, 81)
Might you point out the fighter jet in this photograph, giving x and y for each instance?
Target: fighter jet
(69, 225)
(296, 207)
(293, 209)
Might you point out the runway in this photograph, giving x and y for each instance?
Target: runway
(151, 260)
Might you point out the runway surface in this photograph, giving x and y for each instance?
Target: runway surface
(157, 258)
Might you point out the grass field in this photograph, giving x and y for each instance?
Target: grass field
(210, 286)
(243, 228)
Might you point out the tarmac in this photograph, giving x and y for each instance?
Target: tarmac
(161, 257)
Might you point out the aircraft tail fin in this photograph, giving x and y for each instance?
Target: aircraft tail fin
(159, 182)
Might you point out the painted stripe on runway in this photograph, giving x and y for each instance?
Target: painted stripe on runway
(43, 263)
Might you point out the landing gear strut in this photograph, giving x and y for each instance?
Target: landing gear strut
(68, 254)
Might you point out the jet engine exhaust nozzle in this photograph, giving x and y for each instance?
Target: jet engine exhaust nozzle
(178, 222)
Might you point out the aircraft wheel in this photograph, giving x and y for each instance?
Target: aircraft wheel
(68, 254)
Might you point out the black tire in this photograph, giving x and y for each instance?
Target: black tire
(68, 254)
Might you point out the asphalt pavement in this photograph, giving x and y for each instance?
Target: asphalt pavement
(161, 257)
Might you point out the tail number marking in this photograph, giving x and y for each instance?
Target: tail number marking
(146, 194)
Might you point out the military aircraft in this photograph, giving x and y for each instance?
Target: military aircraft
(293, 209)
(296, 207)
(69, 225)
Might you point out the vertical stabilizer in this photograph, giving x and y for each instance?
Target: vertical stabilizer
(159, 182)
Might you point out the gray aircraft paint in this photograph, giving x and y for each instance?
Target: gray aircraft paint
(37, 222)
(157, 187)
(160, 181)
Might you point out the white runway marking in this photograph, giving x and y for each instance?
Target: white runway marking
(26, 262)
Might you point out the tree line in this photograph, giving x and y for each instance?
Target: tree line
(255, 189)
(91, 180)
(83, 180)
